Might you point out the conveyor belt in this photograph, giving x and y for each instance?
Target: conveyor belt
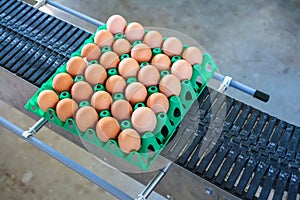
(255, 151)
(34, 44)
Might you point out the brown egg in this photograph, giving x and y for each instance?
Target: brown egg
(149, 75)
(104, 38)
(91, 52)
(62, 82)
(141, 53)
(95, 74)
(66, 108)
(170, 85)
(109, 60)
(143, 119)
(128, 67)
(161, 62)
(134, 31)
(153, 39)
(121, 110)
(129, 140)
(101, 100)
(86, 117)
(182, 69)
(116, 24)
(135, 92)
(121, 46)
(107, 128)
(115, 84)
(81, 91)
(76, 65)
(193, 55)
(47, 99)
(158, 102)
(172, 46)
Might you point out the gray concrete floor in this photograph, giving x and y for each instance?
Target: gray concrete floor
(256, 42)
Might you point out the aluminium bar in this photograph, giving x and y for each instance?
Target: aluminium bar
(244, 88)
(74, 12)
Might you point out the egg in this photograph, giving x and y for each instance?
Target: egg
(182, 70)
(170, 85)
(104, 38)
(143, 119)
(158, 102)
(172, 46)
(47, 99)
(193, 55)
(95, 74)
(109, 60)
(121, 110)
(107, 128)
(135, 92)
(86, 117)
(76, 65)
(153, 39)
(91, 51)
(161, 62)
(129, 140)
(62, 82)
(66, 108)
(121, 46)
(149, 75)
(134, 31)
(141, 53)
(101, 100)
(115, 84)
(116, 24)
(81, 91)
(128, 67)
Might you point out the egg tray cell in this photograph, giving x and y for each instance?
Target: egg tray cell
(152, 143)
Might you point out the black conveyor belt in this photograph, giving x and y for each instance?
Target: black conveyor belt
(255, 151)
(34, 44)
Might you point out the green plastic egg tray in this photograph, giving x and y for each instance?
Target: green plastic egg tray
(152, 143)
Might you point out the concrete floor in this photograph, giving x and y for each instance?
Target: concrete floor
(256, 42)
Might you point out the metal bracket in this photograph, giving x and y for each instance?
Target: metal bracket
(153, 183)
(225, 84)
(35, 128)
(39, 3)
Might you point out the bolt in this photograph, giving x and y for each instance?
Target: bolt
(106, 159)
(208, 191)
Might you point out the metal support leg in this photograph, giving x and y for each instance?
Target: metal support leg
(153, 183)
(35, 128)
